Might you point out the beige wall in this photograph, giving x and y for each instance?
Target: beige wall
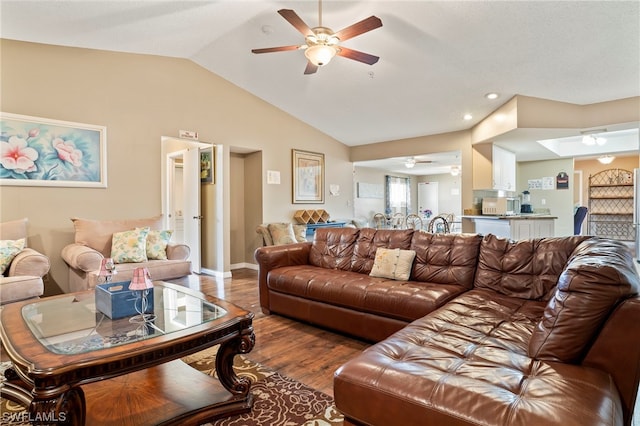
(140, 98)
(558, 201)
(454, 141)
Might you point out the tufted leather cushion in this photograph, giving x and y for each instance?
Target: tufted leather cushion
(597, 277)
(467, 364)
(528, 269)
(370, 239)
(332, 248)
(401, 300)
(445, 258)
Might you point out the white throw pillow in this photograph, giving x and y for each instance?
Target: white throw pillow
(394, 264)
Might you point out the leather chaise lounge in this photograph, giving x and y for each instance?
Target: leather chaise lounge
(483, 331)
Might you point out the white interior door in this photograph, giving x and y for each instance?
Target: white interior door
(428, 198)
(183, 200)
(191, 173)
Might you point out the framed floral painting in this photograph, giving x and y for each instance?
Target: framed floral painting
(308, 177)
(45, 152)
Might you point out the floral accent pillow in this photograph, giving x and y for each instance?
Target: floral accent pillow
(282, 233)
(393, 263)
(157, 244)
(8, 250)
(130, 246)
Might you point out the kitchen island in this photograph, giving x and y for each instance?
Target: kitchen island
(516, 227)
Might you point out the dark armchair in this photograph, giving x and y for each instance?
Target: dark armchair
(578, 218)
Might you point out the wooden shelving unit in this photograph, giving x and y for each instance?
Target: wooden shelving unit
(611, 204)
(311, 216)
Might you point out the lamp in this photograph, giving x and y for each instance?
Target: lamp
(410, 163)
(107, 270)
(606, 159)
(140, 284)
(455, 170)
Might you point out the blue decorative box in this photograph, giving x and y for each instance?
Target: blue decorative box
(115, 300)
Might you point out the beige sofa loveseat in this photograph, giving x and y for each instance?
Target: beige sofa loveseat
(93, 242)
(22, 278)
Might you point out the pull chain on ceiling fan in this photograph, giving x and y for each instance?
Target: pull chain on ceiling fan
(322, 44)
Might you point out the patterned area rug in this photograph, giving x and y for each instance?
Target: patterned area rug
(277, 400)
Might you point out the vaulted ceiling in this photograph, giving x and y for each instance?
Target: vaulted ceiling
(438, 59)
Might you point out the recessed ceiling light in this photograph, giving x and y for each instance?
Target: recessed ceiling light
(467, 116)
(491, 96)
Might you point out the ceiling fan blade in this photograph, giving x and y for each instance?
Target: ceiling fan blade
(296, 21)
(275, 49)
(357, 55)
(371, 23)
(311, 68)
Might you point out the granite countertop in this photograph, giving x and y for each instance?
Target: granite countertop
(525, 216)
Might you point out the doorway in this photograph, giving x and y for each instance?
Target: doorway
(181, 194)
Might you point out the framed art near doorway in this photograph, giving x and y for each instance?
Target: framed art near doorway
(206, 165)
(308, 177)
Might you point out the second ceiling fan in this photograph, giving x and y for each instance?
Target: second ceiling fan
(322, 44)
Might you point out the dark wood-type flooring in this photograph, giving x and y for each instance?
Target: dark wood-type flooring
(303, 352)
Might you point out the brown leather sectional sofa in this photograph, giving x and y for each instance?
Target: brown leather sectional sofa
(486, 331)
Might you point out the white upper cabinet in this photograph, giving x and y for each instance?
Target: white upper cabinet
(504, 169)
(493, 168)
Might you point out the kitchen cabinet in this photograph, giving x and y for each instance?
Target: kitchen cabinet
(513, 227)
(493, 168)
(522, 229)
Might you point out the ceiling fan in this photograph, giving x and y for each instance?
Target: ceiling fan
(410, 162)
(322, 44)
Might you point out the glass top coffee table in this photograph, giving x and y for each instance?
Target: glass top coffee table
(74, 365)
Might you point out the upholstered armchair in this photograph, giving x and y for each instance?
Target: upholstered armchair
(22, 267)
(281, 233)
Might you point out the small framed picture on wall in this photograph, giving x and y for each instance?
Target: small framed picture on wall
(207, 165)
(308, 177)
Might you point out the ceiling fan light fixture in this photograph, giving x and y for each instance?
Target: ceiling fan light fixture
(320, 54)
(591, 138)
(410, 163)
(606, 159)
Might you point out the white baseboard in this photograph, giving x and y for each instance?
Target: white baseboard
(220, 274)
(217, 274)
(244, 265)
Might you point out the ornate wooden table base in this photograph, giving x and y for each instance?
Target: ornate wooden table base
(139, 383)
(172, 393)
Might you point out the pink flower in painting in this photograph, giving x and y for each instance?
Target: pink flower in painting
(34, 132)
(67, 152)
(16, 155)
